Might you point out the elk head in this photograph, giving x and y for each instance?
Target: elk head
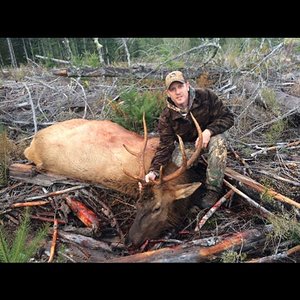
(163, 202)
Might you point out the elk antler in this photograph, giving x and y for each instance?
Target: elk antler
(185, 164)
(140, 156)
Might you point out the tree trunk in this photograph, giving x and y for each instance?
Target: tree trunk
(99, 49)
(25, 51)
(127, 51)
(68, 49)
(11, 53)
(136, 72)
(31, 49)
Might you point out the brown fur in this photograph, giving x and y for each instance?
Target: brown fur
(93, 151)
(89, 150)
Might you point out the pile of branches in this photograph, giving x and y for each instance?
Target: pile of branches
(236, 231)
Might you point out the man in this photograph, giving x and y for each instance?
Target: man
(214, 119)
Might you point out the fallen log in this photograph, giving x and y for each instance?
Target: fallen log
(259, 187)
(264, 212)
(28, 173)
(137, 72)
(275, 176)
(264, 150)
(53, 59)
(275, 257)
(211, 211)
(22, 170)
(85, 241)
(181, 253)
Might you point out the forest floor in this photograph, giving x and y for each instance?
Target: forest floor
(262, 145)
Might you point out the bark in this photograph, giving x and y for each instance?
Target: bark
(212, 210)
(54, 238)
(11, 53)
(181, 253)
(21, 170)
(85, 241)
(25, 50)
(68, 48)
(265, 150)
(28, 173)
(124, 41)
(32, 203)
(264, 212)
(54, 59)
(275, 257)
(259, 187)
(136, 71)
(56, 193)
(99, 49)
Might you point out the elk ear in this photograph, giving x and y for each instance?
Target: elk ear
(185, 190)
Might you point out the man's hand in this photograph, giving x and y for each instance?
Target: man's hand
(206, 134)
(151, 175)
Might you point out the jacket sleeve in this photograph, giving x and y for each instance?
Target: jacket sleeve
(221, 118)
(166, 145)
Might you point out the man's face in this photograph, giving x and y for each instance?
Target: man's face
(179, 93)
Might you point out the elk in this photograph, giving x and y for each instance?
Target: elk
(101, 151)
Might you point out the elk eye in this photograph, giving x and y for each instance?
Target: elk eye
(156, 209)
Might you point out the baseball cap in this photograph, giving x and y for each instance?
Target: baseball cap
(174, 76)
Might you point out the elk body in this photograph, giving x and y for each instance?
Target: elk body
(104, 152)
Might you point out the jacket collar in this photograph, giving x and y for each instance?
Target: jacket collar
(177, 112)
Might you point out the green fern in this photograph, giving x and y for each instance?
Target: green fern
(20, 249)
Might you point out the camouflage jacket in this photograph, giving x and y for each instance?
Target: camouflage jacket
(210, 113)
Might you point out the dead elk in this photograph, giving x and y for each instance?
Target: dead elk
(100, 151)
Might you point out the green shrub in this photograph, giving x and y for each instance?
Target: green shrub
(20, 249)
(274, 133)
(233, 257)
(285, 227)
(87, 59)
(128, 112)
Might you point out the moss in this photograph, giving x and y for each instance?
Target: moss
(285, 228)
(233, 257)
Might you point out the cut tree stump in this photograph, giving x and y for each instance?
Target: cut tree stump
(22, 170)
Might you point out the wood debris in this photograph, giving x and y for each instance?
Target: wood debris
(257, 170)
